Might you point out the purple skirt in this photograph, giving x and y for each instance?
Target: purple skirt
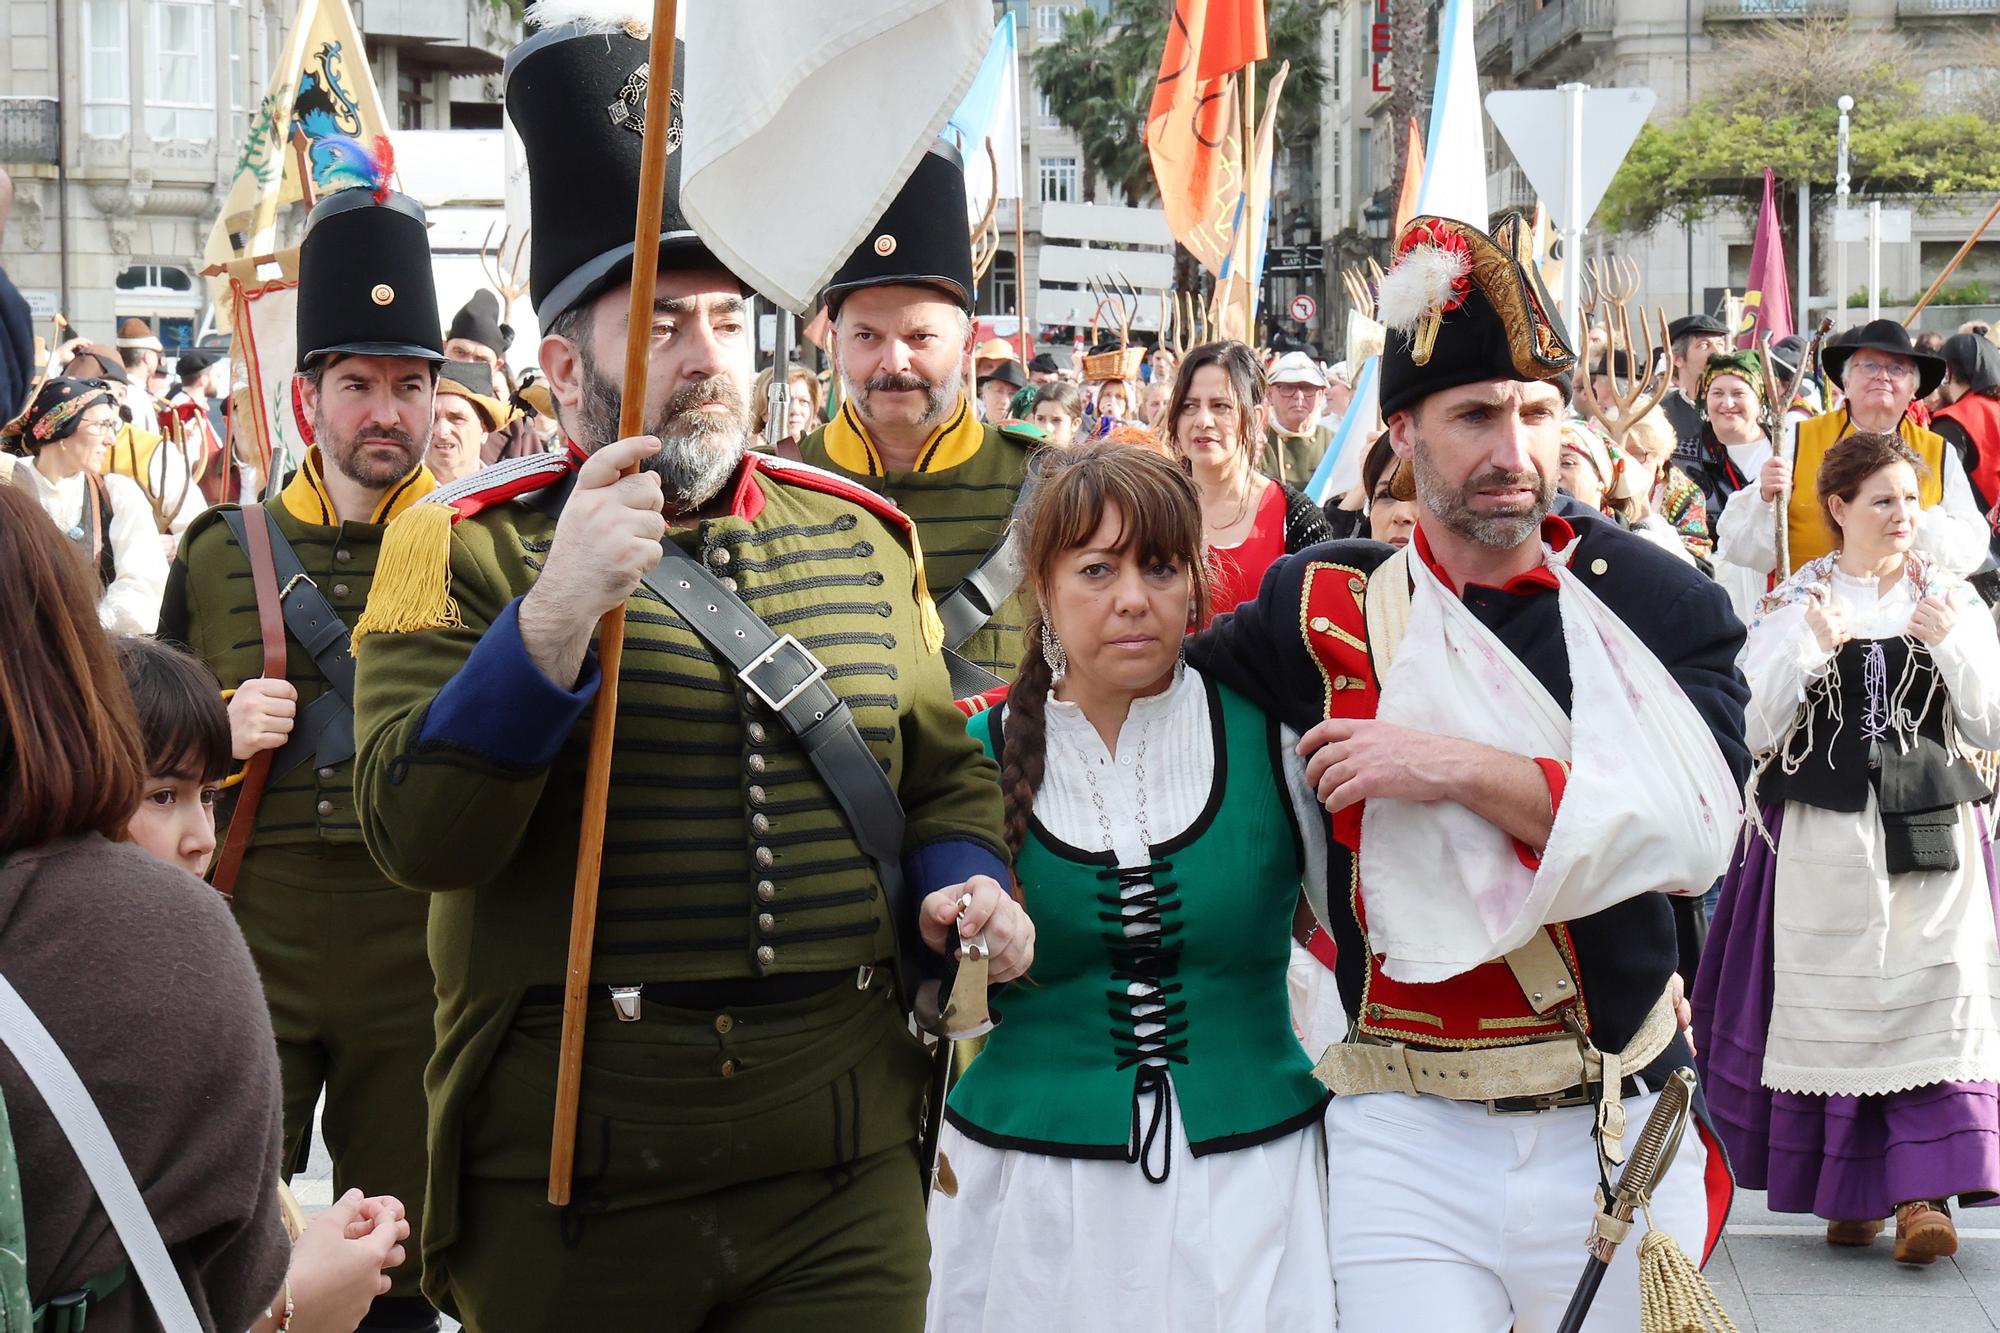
(1838, 1157)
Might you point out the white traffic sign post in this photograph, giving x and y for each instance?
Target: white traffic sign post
(1570, 172)
(1303, 308)
(1878, 226)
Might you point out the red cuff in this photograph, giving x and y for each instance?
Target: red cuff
(1556, 773)
(1321, 946)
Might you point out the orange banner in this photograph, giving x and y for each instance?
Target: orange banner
(1194, 129)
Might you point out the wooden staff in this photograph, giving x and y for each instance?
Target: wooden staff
(611, 630)
(1956, 260)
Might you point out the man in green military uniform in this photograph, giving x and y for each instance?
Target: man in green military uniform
(751, 1087)
(1299, 439)
(339, 947)
(901, 308)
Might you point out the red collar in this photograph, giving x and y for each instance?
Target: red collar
(1556, 534)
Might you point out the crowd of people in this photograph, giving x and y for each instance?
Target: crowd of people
(1354, 872)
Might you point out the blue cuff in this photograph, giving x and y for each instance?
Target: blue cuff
(948, 861)
(502, 706)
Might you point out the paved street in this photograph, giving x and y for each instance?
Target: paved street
(1774, 1273)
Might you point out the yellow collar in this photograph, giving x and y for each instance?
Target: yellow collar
(306, 500)
(849, 447)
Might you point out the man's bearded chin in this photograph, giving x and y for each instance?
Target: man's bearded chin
(350, 460)
(1499, 529)
(940, 396)
(699, 451)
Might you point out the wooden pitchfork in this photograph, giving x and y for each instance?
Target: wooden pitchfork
(986, 231)
(1777, 402)
(1613, 285)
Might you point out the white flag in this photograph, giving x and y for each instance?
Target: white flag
(1455, 166)
(803, 118)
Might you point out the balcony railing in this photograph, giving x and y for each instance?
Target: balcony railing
(1493, 32)
(1945, 9)
(28, 129)
(1508, 188)
(1556, 23)
(1756, 10)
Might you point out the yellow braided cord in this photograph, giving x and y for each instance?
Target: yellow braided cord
(1673, 1295)
(412, 589)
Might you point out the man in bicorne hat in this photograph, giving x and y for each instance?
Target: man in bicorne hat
(750, 1084)
(901, 308)
(340, 948)
(1527, 730)
(1881, 372)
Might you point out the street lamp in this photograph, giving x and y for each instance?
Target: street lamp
(1302, 227)
(1840, 183)
(1376, 215)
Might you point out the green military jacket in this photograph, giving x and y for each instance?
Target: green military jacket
(960, 496)
(1293, 459)
(725, 857)
(211, 606)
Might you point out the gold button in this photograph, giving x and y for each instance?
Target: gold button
(1320, 624)
(340, 590)
(760, 824)
(756, 733)
(723, 1023)
(1342, 682)
(766, 922)
(325, 807)
(766, 954)
(729, 1069)
(764, 857)
(383, 294)
(766, 890)
(719, 557)
(1598, 566)
(756, 796)
(755, 763)
(1357, 585)
(729, 584)
(885, 245)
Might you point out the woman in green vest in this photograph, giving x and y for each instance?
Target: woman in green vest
(1138, 1146)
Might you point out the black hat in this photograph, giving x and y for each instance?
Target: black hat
(365, 283)
(1620, 365)
(1883, 335)
(921, 240)
(1788, 352)
(1044, 364)
(577, 95)
(1696, 326)
(193, 362)
(1973, 361)
(1461, 306)
(1007, 372)
(110, 366)
(478, 320)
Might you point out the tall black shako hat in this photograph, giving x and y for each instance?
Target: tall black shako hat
(365, 284)
(921, 240)
(1461, 306)
(576, 92)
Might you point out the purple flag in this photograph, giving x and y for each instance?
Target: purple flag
(1767, 303)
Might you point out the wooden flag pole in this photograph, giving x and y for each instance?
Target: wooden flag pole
(1249, 239)
(611, 630)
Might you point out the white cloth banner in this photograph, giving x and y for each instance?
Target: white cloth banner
(829, 102)
(1650, 805)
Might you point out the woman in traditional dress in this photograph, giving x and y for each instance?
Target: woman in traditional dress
(1138, 1146)
(1727, 457)
(1848, 1004)
(1216, 422)
(58, 442)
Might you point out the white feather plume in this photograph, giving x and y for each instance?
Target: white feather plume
(1420, 284)
(593, 15)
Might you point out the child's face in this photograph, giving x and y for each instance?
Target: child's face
(175, 821)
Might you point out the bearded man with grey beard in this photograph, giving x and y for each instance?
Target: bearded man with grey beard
(901, 308)
(751, 1086)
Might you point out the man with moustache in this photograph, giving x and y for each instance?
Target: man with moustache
(751, 1088)
(340, 948)
(901, 308)
(1541, 718)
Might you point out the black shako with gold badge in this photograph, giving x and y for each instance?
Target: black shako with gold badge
(966, 478)
(340, 948)
(751, 1088)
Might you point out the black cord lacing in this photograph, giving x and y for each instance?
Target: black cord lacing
(1143, 897)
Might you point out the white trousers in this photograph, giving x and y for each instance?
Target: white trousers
(1442, 1216)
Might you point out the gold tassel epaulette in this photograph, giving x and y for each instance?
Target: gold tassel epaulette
(928, 619)
(412, 589)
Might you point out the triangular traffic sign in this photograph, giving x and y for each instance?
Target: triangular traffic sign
(1532, 123)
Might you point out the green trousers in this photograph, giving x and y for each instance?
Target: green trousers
(742, 1171)
(342, 957)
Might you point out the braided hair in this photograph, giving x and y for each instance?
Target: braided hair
(1160, 513)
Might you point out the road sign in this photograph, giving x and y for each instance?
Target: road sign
(1533, 123)
(1303, 307)
(1851, 224)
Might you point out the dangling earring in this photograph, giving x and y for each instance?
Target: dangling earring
(1053, 654)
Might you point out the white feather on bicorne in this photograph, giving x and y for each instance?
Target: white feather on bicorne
(593, 16)
(1420, 284)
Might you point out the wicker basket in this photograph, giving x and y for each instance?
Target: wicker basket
(1120, 365)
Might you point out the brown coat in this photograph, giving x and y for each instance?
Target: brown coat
(138, 972)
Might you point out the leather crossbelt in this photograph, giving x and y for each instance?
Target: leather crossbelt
(1500, 1073)
(788, 679)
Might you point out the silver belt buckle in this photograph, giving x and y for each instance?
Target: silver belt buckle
(777, 703)
(625, 1002)
(865, 977)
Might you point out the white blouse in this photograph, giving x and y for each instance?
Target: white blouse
(131, 605)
